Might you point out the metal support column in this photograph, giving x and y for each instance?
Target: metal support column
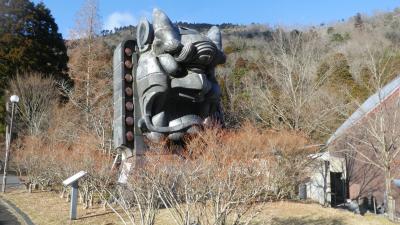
(74, 200)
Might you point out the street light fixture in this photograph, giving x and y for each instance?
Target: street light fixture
(14, 99)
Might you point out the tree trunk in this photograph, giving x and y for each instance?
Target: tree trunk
(81, 196)
(388, 196)
(104, 204)
(91, 200)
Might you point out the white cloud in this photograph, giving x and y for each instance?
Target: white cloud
(119, 19)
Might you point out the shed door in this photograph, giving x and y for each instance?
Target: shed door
(337, 189)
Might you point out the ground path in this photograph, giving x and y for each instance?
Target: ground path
(12, 181)
(7, 217)
(9, 213)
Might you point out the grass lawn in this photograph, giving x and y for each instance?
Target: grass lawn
(46, 208)
(292, 213)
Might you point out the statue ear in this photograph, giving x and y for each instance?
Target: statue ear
(215, 35)
(144, 34)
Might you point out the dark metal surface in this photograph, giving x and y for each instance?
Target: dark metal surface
(176, 84)
(124, 63)
(164, 86)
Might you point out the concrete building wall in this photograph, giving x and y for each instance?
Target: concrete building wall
(318, 185)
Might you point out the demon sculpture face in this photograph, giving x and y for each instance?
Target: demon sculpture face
(177, 89)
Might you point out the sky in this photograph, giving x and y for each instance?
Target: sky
(116, 13)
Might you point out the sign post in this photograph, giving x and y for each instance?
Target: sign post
(73, 182)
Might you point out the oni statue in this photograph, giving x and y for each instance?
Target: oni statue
(175, 78)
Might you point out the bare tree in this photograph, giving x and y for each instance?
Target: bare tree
(87, 28)
(90, 68)
(38, 97)
(376, 140)
(285, 89)
(136, 202)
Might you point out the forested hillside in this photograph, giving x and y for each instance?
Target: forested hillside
(305, 79)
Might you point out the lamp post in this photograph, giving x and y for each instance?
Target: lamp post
(13, 99)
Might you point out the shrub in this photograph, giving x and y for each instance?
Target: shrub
(222, 177)
(47, 163)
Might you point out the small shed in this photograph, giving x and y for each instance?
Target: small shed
(327, 179)
(334, 178)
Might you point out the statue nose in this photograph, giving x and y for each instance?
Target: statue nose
(172, 46)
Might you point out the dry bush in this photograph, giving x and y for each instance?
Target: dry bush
(282, 155)
(47, 163)
(87, 155)
(224, 177)
(37, 162)
(65, 125)
(290, 155)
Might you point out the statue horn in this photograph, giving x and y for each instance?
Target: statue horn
(166, 34)
(215, 35)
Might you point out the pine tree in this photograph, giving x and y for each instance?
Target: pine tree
(29, 41)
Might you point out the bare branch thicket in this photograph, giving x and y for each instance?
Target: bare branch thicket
(38, 98)
(47, 163)
(285, 91)
(372, 58)
(136, 202)
(290, 159)
(225, 178)
(214, 185)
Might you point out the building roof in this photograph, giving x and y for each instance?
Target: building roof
(321, 155)
(369, 105)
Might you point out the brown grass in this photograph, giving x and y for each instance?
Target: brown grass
(46, 208)
(292, 213)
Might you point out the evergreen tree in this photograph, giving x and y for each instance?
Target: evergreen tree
(29, 41)
(358, 22)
